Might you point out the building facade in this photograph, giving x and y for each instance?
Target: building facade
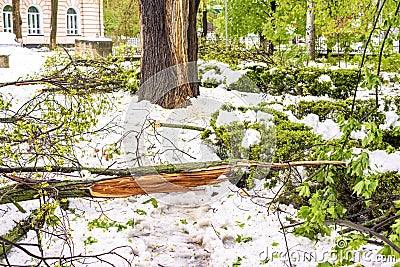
(76, 19)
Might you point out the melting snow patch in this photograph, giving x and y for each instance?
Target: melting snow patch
(391, 120)
(251, 137)
(328, 128)
(324, 78)
(383, 162)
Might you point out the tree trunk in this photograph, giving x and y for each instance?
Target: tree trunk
(17, 21)
(169, 51)
(53, 33)
(310, 30)
(266, 45)
(205, 23)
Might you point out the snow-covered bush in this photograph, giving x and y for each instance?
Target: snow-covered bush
(305, 81)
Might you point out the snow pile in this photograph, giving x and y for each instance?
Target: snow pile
(251, 137)
(328, 128)
(23, 61)
(392, 120)
(324, 79)
(225, 74)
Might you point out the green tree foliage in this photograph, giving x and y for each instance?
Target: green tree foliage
(275, 20)
(339, 22)
(343, 22)
(121, 17)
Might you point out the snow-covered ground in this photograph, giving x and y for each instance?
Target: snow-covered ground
(214, 226)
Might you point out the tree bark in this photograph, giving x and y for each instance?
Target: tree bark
(17, 21)
(310, 30)
(168, 44)
(53, 32)
(17, 233)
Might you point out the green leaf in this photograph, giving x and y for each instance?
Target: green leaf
(90, 240)
(304, 190)
(240, 224)
(153, 202)
(141, 212)
(238, 262)
(275, 244)
(359, 187)
(240, 239)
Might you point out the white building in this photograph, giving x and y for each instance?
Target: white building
(76, 18)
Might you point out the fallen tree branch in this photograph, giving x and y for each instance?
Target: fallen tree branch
(178, 126)
(64, 259)
(136, 181)
(167, 168)
(15, 234)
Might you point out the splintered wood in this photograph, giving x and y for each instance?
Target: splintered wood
(159, 183)
(184, 180)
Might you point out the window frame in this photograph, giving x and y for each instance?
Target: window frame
(36, 19)
(72, 23)
(7, 17)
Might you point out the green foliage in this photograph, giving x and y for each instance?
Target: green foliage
(338, 84)
(391, 62)
(345, 247)
(371, 80)
(140, 212)
(293, 56)
(293, 140)
(244, 84)
(121, 18)
(210, 68)
(269, 19)
(394, 237)
(340, 192)
(90, 240)
(232, 54)
(284, 141)
(315, 215)
(392, 103)
(106, 224)
(152, 201)
(364, 110)
(210, 83)
(46, 129)
(78, 75)
(45, 215)
(243, 239)
(64, 121)
(238, 262)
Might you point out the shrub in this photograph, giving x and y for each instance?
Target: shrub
(365, 110)
(338, 84)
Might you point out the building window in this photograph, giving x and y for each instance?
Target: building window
(72, 22)
(7, 18)
(34, 25)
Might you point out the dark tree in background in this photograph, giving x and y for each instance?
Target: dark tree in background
(17, 22)
(205, 23)
(168, 41)
(53, 32)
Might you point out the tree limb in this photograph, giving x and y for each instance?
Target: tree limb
(365, 230)
(140, 180)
